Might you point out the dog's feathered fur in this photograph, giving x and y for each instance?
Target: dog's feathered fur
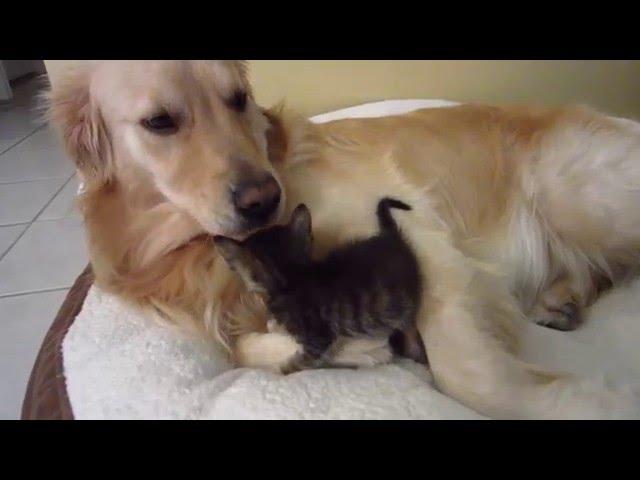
(516, 210)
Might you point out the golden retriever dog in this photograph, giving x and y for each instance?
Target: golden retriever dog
(517, 211)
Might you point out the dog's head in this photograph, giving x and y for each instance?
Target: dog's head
(188, 130)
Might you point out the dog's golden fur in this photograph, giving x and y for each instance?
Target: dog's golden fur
(516, 210)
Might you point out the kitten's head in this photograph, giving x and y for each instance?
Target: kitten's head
(267, 260)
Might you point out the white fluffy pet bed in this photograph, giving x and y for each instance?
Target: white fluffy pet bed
(120, 365)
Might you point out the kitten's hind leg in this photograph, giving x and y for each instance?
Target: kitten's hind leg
(314, 350)
(332, 354)
(344, 352)
(300, 361)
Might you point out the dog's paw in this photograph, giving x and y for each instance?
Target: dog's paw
(563, 317)
(560, 306)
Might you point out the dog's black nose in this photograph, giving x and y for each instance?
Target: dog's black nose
(257, 200)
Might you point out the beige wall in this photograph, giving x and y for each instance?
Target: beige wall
(316, 86)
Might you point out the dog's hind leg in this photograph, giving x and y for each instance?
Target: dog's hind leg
(473, 358)
(586, 186)
(470, 323)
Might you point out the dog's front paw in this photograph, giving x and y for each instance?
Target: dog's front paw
(559, 307)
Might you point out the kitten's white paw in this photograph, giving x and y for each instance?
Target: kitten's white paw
(265, 350)
(363, 352)
(274, 327)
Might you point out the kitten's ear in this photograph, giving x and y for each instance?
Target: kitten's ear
(300, 223)
(241, 261)
(300, 227)
(230, 249)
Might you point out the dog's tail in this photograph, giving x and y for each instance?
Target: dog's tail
(385, 219)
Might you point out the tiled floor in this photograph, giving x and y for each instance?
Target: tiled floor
(42, 247)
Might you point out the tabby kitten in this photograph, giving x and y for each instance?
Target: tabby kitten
(370, 287)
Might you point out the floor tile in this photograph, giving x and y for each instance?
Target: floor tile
(8, 235)
(14, 127)
(50, 254)
(21, 116)
(63, 205)
(24, 321)
(21, 202)
(38, 157)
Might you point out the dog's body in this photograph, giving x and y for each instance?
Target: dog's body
(515, 210)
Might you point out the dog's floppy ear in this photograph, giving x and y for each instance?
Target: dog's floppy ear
(72, 110)
(243, 70)
(276, 135)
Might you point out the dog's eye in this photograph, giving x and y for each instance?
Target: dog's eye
(238, 101)
(162, 124)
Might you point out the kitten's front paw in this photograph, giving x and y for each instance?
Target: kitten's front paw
(288, 369)
(364, 352)
(274, 327)
(378, 356)
(265, 350)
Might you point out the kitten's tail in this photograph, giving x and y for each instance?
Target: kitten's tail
(385, 219)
